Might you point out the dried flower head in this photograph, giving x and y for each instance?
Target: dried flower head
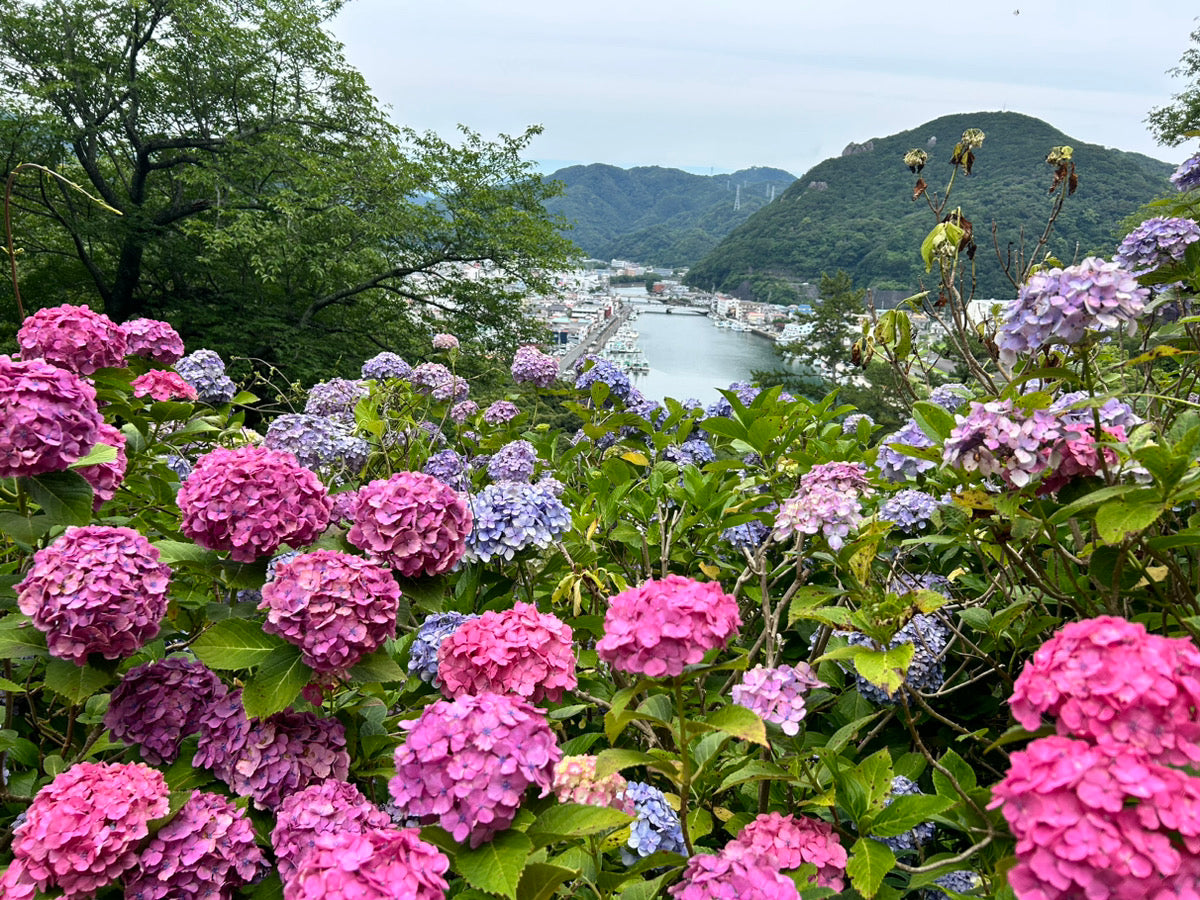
(915, 160)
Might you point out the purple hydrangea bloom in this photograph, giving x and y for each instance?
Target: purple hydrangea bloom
(385, 365)
(511, 516)
(994, 438)
(905, 583)
(50, 417)
(1187, 176)
(695, 451)
(531, 366)
(828, 500)
(336, 399)
(157, 705)
(926, 672)
(1114, 413)
(746, 392)
(592, 369)
(153, 339)
(325, 445)
(748, 536)
(918, 835)
(850, 423)
(74, 338)
(1155, 243)
(205, 371)
(778, 695)
(515, 461)
(894, 464)
(950, 396)
(500, 412)
(463, 410)
(426, 376)
(328, 806)
(961, 882)
(910, 510)
(656, 828)
(423, 654)
(1059, 306)
(448, 467)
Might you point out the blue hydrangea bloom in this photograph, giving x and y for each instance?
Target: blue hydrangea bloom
(895, 465)
(1157, 242)
(205, 371)
(656, 827)
(603, 370)
(335, 398)
(422, 655)
(850, 423)
(325, 445)
(515, 461)
(909, 841)
(950, 396)
(926, 672)
(963, 881)
(1114, 413)
(180, 466)
(386, 365)
(694, 452)
(511, 516)
(448, 467)
(910, 509)
(1187, 176)
(746, 392)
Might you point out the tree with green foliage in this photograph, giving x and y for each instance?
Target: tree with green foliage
(1179, 120)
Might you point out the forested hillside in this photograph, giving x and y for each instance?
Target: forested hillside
(857, 213)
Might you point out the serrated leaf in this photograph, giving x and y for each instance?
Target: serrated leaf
(869, 862)
(540, 881)
(378, 667)
(19, 639)
(176, 552)
(496, 866)
(578, 820)
(1117, 518)
(884, 668)
(738, 722)
(907, 811)
(24, 529)
(101, 453)
(276, 683)
(754, 770)
(75, 683)
(643, 890)
(618, 759)
(236, 644)
(65, 497)
(933, 420)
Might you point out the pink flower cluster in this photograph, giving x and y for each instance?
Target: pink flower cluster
(788, 842)
(575, 781)
(105, 478)
(82, 831)
(660, 627)
(267, 759)
(161, 384)
(994, 438)
(158, 704)
(1076, 454)
(378, 864)
(73, 337)
(828, 500)
(466, 763)
(205, 852)
(445, 342)
(519, 651)
(328, 807)
(250, 500)
(719, 876)
(96, 589)
(335, 607)
(152, 339)
(50, 417)
(413, 522)
(778, 694)
(531, 366)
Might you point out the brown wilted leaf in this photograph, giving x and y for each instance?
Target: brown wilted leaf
(1072, 182)
(970, 161)
(919, 188)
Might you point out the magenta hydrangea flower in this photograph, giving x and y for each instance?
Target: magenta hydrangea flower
(204, 852)
(83, 829)
(661, 626)
(445, 342)
(827, 501)
(1059, 306)
(995, 438)
(520, 650)
(500, 411)
(1076, 454)
(331, 806)
(158, 704)
(152, 339)
(778, 694)
(788, 842)
(73, 337)
(466, 763)
(378, 864)
(575, 781)
(50, 417)
(531, 366)
(96, 589)
(1112, 682)
(162, 384)
(105, 478)
(721, 876)
(335, 607)
(413, 522)
(251, 500)
(268, 759)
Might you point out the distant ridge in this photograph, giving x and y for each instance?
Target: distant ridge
(855, 212)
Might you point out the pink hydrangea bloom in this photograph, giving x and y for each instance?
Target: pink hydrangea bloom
(335, 607)
(445, 342)
(250, 500)
(413, 522)
(827, 501)
(342, 507)
(660, 627)
(531, 366)
(153, 339)
(331, 806)
(500, 411)
(575, 781)
(96, 589)
(205, 852)
(267, 759)
(995, 438)
(379, 864)
(162, 384)
(105, 478)
(1076, 454)
(73, 337)
(466, 763)
(17, 884)
(788, 842)
(519, 650)
(83, 829)
(1112, 682)
(778, 694)
(50, 417)
(710, 876)
(158, 704)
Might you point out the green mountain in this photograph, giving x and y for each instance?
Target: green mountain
(857, 213)
(658, 216)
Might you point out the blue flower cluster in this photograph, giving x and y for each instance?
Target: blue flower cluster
(694, 451)
(961, 882)
(327, 446)
(895, 465)
(909, 841)
(1156, 242)
(910, 509)
(746, 537)
(386, 365)
(511, 516)
(926, 672)
(1187, 176)
(656, 827)
(423, 654)
(850, 423)
(205, 371)
(746, 392)
(950, 396)
(515, 461)
(448, 467)
(605, 371)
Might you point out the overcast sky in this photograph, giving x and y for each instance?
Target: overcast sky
(784, 83)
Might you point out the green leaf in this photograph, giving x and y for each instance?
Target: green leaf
(1117, 518)
(21, 749)
(64, 496)
(643, 890)
(540, 881)
(578, 820)
(738, 722)
(884, 668)
(869, 862)
(906, 812)
(615, 760)
(236, 644)
(75, 683)
(934, 420)
(378, 667)
(101, 453)
(276, 682)
(19, 639)
(175, 552)
(24, 529)
(960, 769)
(496, 866)
(754, 770)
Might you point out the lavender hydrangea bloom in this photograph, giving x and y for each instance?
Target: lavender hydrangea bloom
(778, 695)
(1114, 413)
(1187, 176)
(531, 366)
(423, 654)
(1156, 242)
(500, 412)
(826, 501)
(1059, 306)
(850, 423)
(336, 399)
(694, 451)
(515, 461)
(950, 396)
(746, 392)
(994, 438)
(656, 827)
(911, 840)
(511, 516)
(910, 510)
(748, 536)
(325, 445)
(385, 365)
(205, 371)
(463, 410)
(926, 672)
(894, 464)
(961, 882)
(606, 372)
(448, 467)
